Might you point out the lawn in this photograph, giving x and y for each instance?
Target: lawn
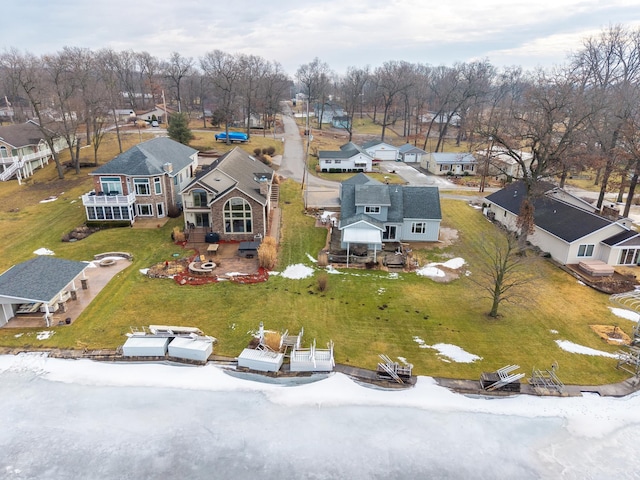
(364, 312)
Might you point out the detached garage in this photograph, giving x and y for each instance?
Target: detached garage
(381, 150)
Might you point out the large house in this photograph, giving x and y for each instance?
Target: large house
(145, 181)
(570, 230)
(449, 163)
(350, 158)
(23, 148)
(231, 198)
(372, 213)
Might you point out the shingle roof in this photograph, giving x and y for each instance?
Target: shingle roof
(403, 201)
(447, 157)
(347, 150)
(627, 238)
(21, 134)
(408, 148)
(147, 159)
(565, 221)
(242, 171)
(39, 279)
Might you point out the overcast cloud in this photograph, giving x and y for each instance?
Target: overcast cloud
(339, 32)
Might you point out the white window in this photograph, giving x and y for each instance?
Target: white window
(338, 161)
(327, 161)
(418, 227)
(145, 210)
(157, 186)
(237, 216)
(199, 198)
(371, 209)
(142, 186)
(629, 256)
(585, 250)
(111, 185)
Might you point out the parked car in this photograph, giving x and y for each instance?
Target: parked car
(154, 123)
(233, 137)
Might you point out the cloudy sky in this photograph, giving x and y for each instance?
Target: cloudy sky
(342, 33)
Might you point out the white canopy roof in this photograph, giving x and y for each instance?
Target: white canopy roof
(362, 235)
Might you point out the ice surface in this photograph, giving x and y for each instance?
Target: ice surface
(84, 419)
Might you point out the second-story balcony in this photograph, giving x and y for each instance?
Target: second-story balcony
(93, 198)
(191, 205)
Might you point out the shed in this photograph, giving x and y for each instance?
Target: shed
(260, 360)
(195, 348)
(145, 346)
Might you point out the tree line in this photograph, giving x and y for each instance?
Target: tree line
(550, 122)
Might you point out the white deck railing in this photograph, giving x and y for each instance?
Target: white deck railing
(89, 199)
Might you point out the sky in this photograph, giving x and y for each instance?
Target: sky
(341, 33)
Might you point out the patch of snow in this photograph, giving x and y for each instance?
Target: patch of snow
(430, 272)
(274, 273)
(297, 271)
(143, 271)
(49, 199)
(235, 274)
(381, 290)
(580, 282)
(555, 332)
(575, 348)
(310, 257)
(43, 251)
(45, 334)
(454, 263)
(421, 343)
(626, 314)
(330, 269)
(393, 276)
(18, 335)
(455, 353)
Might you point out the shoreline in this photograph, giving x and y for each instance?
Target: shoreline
(357, 374)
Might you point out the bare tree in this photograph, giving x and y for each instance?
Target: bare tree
(224, 71)
(352, 88)
(27, 72)
(392, 79)
(315, 79)
(175, 70)
(502, 273)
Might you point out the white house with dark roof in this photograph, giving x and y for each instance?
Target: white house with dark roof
(38, 286)
(379, 150)
(231, 198)
(450, 163)
(145, 181)
(373, 213)
(350, 158)
(569, 232)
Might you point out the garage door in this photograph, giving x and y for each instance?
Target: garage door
(385, 155)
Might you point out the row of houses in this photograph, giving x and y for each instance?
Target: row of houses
(361, 158)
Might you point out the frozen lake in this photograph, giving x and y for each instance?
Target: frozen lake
(64, 419)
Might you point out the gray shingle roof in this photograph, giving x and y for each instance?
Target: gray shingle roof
(565, 221)
(147, 159)
(21, 134)
(447, 157)
(403, 201)
(39, 279)
(347, 150)
(244, 170)
(408, 148)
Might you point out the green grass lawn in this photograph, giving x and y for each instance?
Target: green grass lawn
(364, 312)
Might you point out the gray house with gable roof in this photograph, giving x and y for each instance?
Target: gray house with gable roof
(231, 198)
(145, 181)
(373, 213)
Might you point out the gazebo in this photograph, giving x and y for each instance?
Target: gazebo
(41, 284)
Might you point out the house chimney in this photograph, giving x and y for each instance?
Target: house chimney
(168, 167)
(264, 186)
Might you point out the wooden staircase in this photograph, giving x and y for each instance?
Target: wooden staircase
(275, 195)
